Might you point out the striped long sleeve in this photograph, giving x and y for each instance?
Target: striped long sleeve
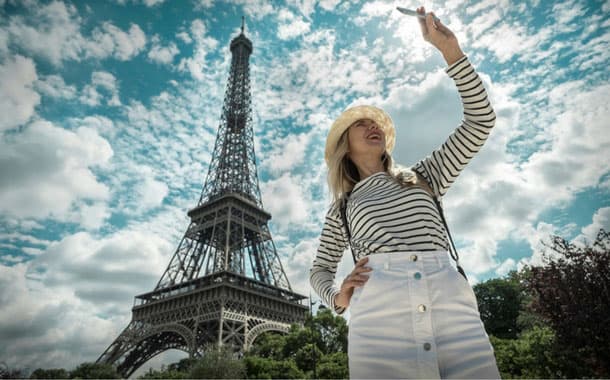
(444, 165)
(386, 217)
(333, 242)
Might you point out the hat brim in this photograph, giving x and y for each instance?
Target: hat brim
(353, 114)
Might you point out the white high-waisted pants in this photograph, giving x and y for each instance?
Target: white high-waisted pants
(417, 317)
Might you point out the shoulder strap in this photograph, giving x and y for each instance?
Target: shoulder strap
(343, 207)
(453, 252)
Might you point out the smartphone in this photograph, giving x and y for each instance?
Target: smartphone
(414, 13)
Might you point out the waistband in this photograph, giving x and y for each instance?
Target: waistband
(408, 259)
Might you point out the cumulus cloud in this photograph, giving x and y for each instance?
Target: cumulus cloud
(74, 298)
(314, 78)
(46, 170)
(197, 64)
(506, 266)
(110, 40)
(17, 96)
(291, 26)
(152, 3)
(601, 220)
(55, 87)
(284, 199)
(328, 5)
(105, 81)
(286, 152)
(253, 8)
(53, 31)
(162, 54)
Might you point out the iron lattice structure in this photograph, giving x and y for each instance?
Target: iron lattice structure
(225, 283)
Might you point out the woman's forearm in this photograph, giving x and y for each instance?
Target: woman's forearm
(452, 56)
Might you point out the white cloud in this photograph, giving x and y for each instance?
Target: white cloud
(152, 3)
(46, 171)
(94, 216)
(540, 237)
(110, 40)
(566, 12)
(55, 87)
(256, 9)
(162, 54)
(17, 97)
(75, 297)
(3, 44)
(516, 40)
(315, 78)
(151, 192)
(601, 220)
(577, 137)
(508, 265)
(197, 64)
(286, 152)
(377, 9)
(101, 124)
(53, 31)
(483, 5)
(328, 5)
(284, 198)
(291, 26)
(105, 81)
(184, 36)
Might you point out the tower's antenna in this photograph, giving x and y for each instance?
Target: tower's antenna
(243, 22)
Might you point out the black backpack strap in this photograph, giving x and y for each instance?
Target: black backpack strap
(343, 208)
(452, 251)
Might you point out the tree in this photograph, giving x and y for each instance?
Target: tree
(332, 331)
(10, 373)
(94, 371)
(218, 363)
(333, 366)
(53, 373)
(529, 356)
(270, 344)
(307, 357)
(262, 368)
(499, 301)
(572, 292)
(165, 373)
(298, 337)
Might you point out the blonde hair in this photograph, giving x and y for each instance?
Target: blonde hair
(343, 173)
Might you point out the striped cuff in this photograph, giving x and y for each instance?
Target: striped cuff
(338, 309)
(457, 67)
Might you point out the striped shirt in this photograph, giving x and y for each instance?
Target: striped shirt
(385, 217)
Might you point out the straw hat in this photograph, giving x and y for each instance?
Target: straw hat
(351, 115)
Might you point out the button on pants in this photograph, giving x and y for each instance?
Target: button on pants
(417, 317)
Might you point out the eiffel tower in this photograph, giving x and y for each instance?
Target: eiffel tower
(225, 283)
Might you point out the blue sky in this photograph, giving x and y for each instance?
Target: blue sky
(109, 116)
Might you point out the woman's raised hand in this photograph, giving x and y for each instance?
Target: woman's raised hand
(357, 277)
(436, 33)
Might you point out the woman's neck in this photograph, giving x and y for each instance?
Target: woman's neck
(368, 168)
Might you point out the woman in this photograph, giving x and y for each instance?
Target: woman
(412, 314)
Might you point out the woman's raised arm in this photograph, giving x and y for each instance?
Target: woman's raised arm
(443, 166)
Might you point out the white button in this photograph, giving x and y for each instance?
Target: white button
(421, 308)
(427, 346)
(413, 257)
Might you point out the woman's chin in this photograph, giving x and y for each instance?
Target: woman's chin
(375, 144)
